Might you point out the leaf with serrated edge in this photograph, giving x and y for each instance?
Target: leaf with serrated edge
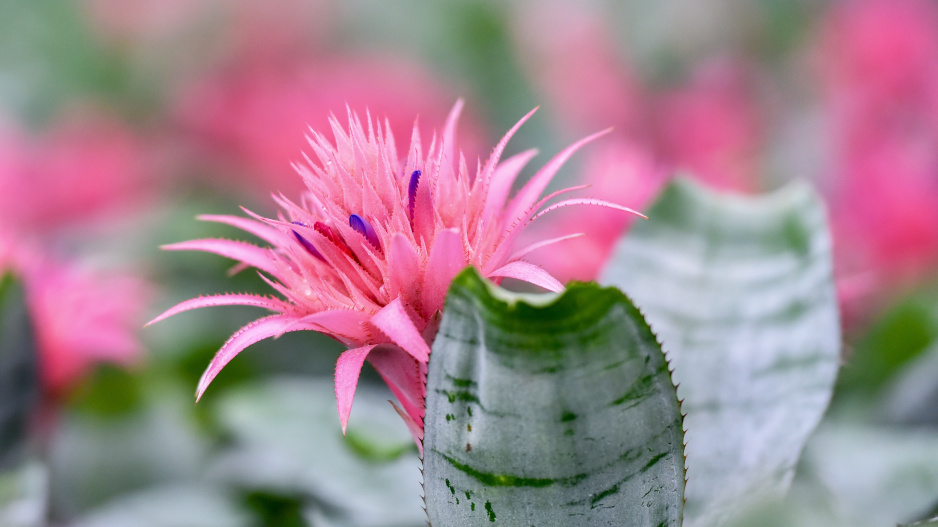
(549, 410)
(740, 290)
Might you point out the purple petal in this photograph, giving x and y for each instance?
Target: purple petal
(365, 229)
(308, 245)
(412, 192)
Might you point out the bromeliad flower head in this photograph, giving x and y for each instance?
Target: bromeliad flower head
(368, 253)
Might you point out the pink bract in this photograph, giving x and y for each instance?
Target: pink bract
(619, 172)
(713, 128)
(80, 316)
(881, 108)
(368, 253)
(880, 50)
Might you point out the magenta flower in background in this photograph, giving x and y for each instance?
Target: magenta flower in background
(878, 61)
(712, 127)
(879, 51)
(86, 166)
(80, 316)
(368, 253)
(250, 119)
(581, 70)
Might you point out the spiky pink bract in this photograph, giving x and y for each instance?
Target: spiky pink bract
(368, 253)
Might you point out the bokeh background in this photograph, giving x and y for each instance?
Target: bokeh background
(122, 121)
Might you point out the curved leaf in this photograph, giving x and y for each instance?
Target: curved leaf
(740, 291)
(286, 440)
(549, 410)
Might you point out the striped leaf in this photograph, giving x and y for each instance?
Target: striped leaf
(740, 291)
(549, 410)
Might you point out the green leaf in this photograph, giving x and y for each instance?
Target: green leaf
(286, 441)
(549, 410)
(895, 340)
(740, 290)
(910, 397)
(171, 505)
(876, 475)
(24, 494)
(94, 457)
(19, 371)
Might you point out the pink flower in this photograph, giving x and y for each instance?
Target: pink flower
(368, 254)
(713, 127)
(878, 60)
(80, 317)
(580, 68)
(883, 207)
(880, 50)
(86, 166)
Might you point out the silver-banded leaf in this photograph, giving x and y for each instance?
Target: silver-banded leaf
(285, 440)
(740, 291)
(875, 475)
(549, 410)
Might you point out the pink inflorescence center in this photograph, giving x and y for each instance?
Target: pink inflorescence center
(369, 252)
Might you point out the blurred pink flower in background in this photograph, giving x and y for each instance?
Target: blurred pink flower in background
(141, 20)
(251, 119)
(712, 127)
(579, 71)
(885, 211)
(247, 28)
(369, 253)
(619, 172)
(259, 30)
(80, 316)
(878, 61)
(85, 167)
(880, 51)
